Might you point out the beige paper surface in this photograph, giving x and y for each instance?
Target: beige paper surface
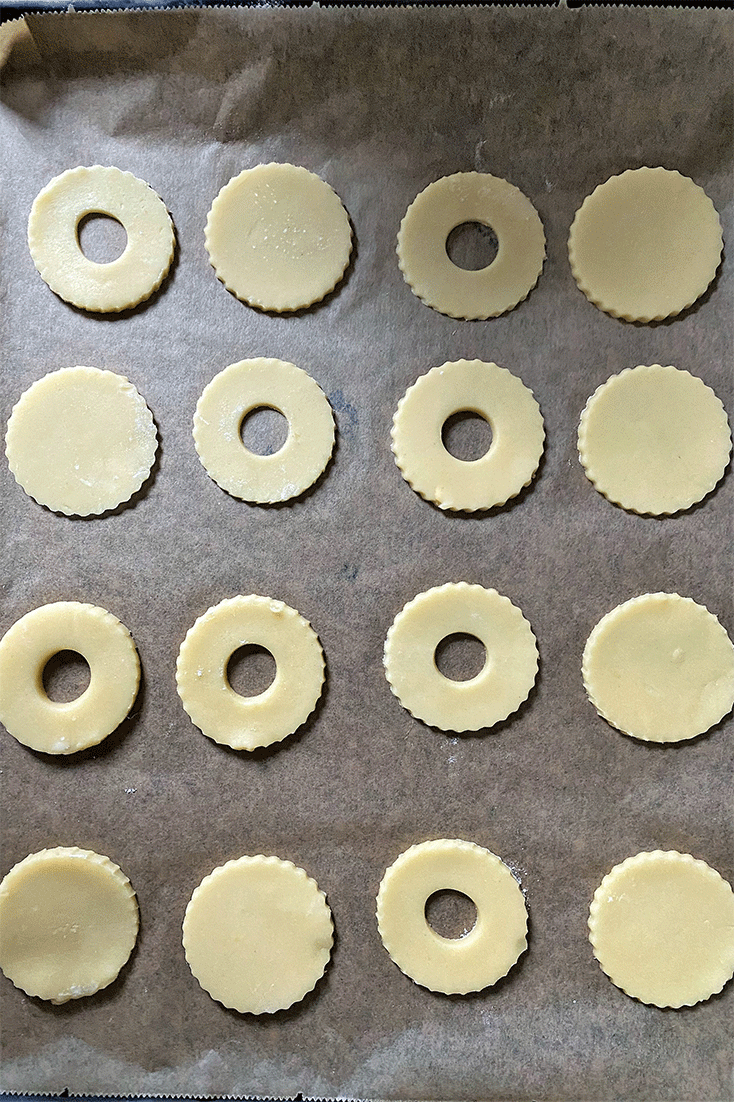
(379, 102)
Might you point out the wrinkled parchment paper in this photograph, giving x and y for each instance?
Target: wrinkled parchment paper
(380, 103)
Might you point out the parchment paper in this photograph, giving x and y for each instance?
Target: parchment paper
(380, 102)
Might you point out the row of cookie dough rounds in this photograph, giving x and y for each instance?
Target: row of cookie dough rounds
(658, 668)
(652, 439)
(643, 246)
(258, 932)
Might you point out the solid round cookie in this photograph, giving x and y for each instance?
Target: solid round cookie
(661, 928)
(107, 646)
(503, 401)
(645, 245)
(81, 441)
(209, 700)
(451, 202)
(53, 238)
(654, 439)
(660, 668)
(69, 922)
(500, 687)
(225, 403)
(258, 934)
(452, 966)
(278, 237)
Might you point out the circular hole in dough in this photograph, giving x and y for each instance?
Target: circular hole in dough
(645, 245)
(452, 966)
(661, 928)
(467, 435)
(460, 656)
(105, 645)
(102, 239)
(449, 203)
(227, 401)
(66, 676)
(221, 713)
(264, 431)
(251, 670)
(660, 668)
(499, 398)
(450, 914)
(502, 684)
(69, 922)
(278, 237)
(53, 238)
(472, 246)
(654, 439)
(81, 441)
(258, 934)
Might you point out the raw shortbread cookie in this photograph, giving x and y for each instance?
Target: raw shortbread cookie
(278, 237)
(645, 245)
(258, 934)
(452, 966)
(81, 441)
(499, 688)
(209, 700)
(107, 646)
(660, 668)
(450, 202)
(53, 238)
(503, 401)
(69, 921)
(230, 397)
(661, 927)
(654, 439)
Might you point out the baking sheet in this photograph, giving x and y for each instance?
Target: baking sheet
(380, 102)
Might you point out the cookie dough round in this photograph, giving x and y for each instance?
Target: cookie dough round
(107, 646)
(660, 668)
(506, 404)
(258, 934)
(645, 245)
(209, 700)
(499, 688)
(452, 966)
(278, 237)
(53, 238)
(81, 441)
(236, 392)
(654, 439)
(69, 922)
(450, 202)
(661, 928)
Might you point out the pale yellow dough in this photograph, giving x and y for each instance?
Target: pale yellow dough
(499, 688)
(654, 439)
(81, 441)
(448, 203)
(661, 927)
(69, 922)
(54, 242)
(659, 668)
(63, 728)
(507, 405)
(452, 966)
(258, 934)
(278, 237)
(227, 400)
(245, 723)
(645, 245)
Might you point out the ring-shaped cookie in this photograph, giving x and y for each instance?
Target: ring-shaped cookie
(278, 237)
(226, 401)
(53, 238)
(452, 966)
(506, 404)
(107, 646)
(499, 688)
(209, 700)
(450, 202)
